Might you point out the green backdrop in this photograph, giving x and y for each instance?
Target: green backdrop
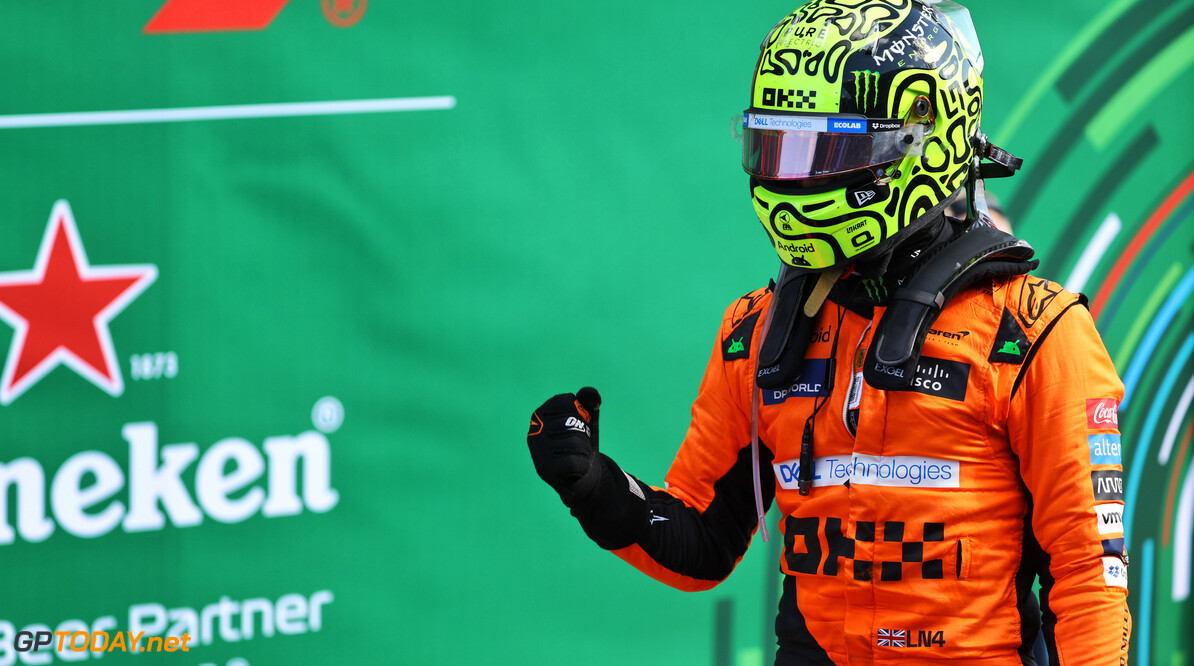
(304, 439)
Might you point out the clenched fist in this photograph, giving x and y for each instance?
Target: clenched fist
(563, 442)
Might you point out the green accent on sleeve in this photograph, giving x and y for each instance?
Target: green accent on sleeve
(735, 346)
(1010, 347)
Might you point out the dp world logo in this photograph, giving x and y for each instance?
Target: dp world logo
(60, 309)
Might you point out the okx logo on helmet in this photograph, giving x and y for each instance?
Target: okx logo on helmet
(861, 121)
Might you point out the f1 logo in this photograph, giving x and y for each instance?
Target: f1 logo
(179, 16)
(214, 15)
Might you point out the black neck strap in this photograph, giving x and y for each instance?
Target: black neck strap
(781, 353)
(980, 253)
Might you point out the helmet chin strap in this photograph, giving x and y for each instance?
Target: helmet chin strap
(821, 290)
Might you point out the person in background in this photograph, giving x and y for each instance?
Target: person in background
(937, 426)
(999, 219)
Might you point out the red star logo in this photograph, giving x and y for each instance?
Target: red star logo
(60, 311)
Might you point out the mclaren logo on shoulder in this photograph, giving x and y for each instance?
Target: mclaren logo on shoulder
(60, 309)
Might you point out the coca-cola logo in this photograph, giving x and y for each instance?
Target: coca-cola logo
(1102, 414)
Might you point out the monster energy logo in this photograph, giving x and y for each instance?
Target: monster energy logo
(875, 289)
(866, 84)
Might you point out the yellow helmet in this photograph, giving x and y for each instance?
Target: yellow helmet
(863, 122)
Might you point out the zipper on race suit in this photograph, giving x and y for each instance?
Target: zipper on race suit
(851, 405)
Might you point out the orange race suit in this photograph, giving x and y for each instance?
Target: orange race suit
(932, 510)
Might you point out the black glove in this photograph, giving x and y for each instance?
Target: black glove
(563, 443)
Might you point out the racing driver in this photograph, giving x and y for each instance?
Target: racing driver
(937, 426)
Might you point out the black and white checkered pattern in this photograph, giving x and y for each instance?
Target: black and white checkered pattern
(804, 100)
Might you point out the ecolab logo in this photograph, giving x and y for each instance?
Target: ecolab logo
(848, 125)
(226, 493)
(60, 310)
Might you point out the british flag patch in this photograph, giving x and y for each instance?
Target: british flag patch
(892, 638)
